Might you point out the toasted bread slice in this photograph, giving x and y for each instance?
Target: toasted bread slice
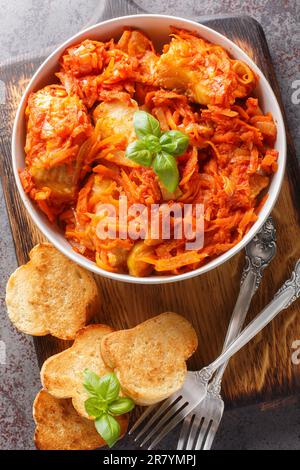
(149, 360)
(62, 374)
(51, 295)
(59, 427)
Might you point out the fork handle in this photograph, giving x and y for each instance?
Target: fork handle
(247, 290)
(286, 295)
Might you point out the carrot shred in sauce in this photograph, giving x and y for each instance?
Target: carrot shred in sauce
(78, 131)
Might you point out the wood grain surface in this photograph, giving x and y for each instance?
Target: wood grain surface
(263, 371)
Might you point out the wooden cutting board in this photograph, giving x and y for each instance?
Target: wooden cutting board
(261, 372)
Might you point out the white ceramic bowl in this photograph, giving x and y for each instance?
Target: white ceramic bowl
(158, 29)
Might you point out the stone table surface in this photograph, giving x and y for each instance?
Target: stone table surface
(31, 25)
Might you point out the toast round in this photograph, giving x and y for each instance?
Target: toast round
(149, 360)
(51, 295)
(59, 427)
(62, 374)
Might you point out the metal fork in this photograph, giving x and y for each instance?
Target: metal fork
(173, 410)
(200, 426)
(259, 252)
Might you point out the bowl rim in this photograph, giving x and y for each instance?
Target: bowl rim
(150, 280)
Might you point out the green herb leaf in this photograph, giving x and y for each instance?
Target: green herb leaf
(104, 403)
(108, 428)
(91, 382)
(152, 143)
(145, 124)
(94, 407)
(109, 387)
(121, 405)
(174, 142)
(165, 166)
(105, 389)
(139, 153)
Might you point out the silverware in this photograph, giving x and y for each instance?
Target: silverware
(200, 426)
(173, 410)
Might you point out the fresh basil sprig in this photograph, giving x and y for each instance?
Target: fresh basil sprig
(174, 142)
(105, 403)
(138, 153)
(157, 149)
(165, 166)
(145, 124)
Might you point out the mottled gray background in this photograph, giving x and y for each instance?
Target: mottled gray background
(31, 25)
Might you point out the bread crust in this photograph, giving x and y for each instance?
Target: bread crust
(62, 374)
(59, 427)
(51, 295)
(150, 359)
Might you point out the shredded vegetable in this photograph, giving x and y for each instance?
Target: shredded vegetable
(78, 132)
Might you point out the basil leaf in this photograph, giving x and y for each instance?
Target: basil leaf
(174, 142)
(94, 407)
(152, 143)
(121, 405)
(108, 428)
(109, 387)
(165, 167)
(145, 124)
(138, 153)
(91, 382)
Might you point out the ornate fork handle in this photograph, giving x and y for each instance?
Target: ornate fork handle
(264, 242)
(287, 294)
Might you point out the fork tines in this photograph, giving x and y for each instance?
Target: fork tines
(161, 422)
(196, 433)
